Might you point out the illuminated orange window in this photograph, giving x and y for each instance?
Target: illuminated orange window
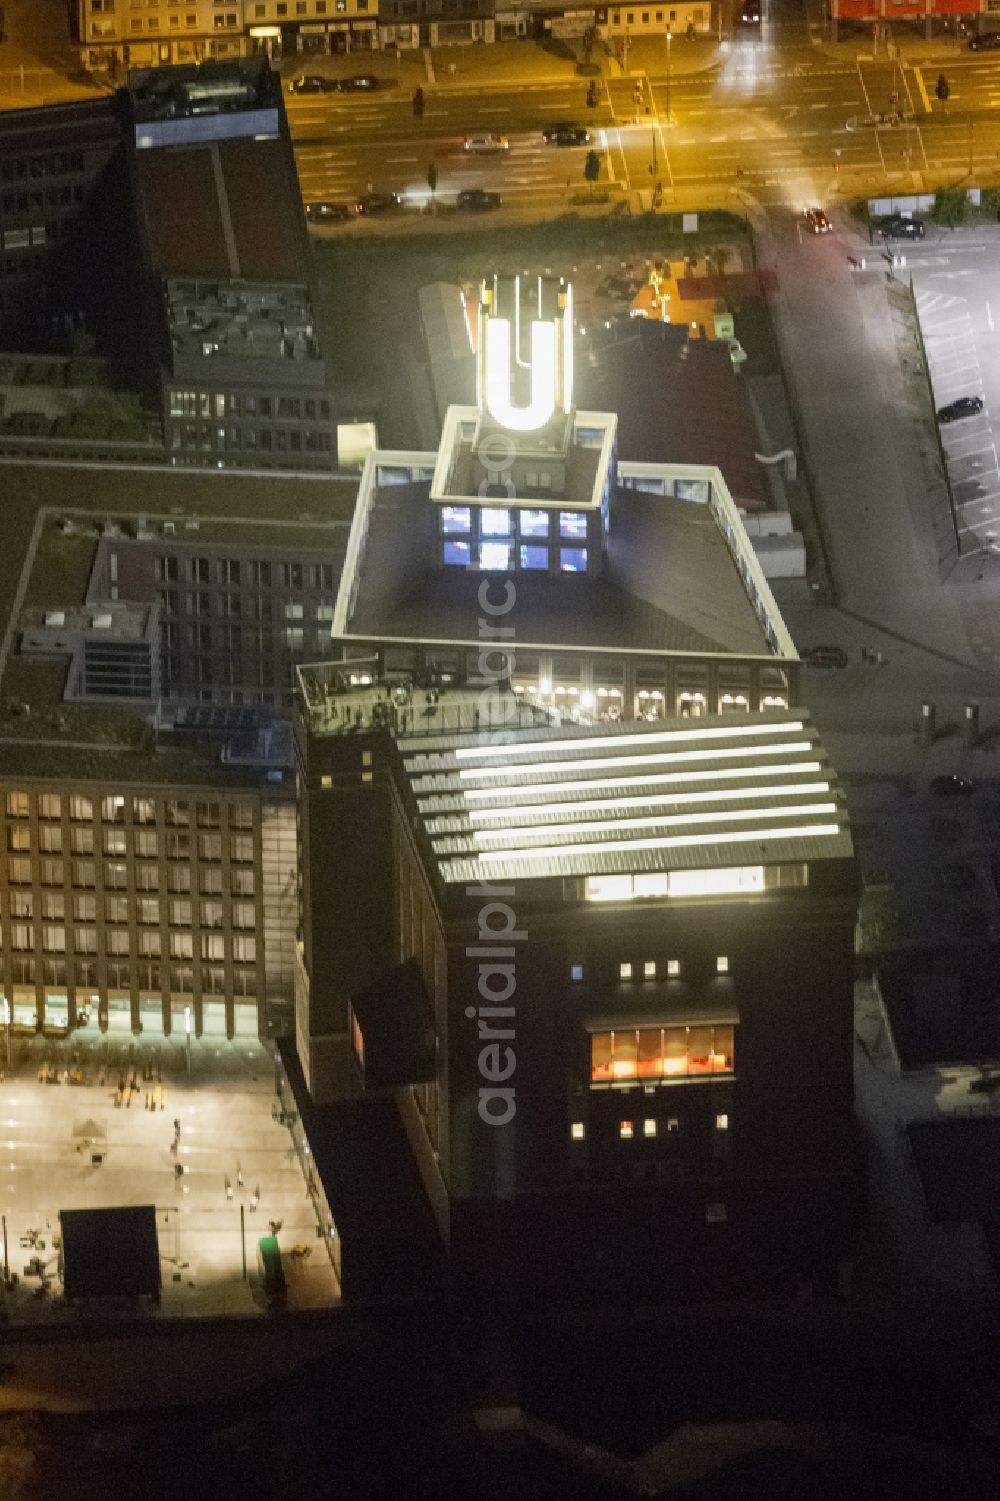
(661, 1053)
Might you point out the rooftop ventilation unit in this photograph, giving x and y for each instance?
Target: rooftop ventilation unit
(101, 622)
(55, 618)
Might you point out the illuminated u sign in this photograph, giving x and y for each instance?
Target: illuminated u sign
(549, 368)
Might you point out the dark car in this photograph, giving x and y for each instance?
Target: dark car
(477, 201)
(817, 221)
(825, 656)
(327, 213)
(965, 406)
(361, 83)
(311, 83)
(988, 42)
(952, 786)
(565, 133)
(898, 228)
(378, 203)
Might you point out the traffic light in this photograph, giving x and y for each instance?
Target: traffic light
(942, 88)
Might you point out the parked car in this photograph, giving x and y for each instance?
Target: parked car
(477, 201)
(566, 133)
(988, 42)
(817, 221)
(378, 203)
(825, 656)
(361, 83)
(486, 143)
(965, 406)
(897, 228)
(952, 786)
(311, 83)
(328, 213)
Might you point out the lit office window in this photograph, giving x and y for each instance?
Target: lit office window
(649, 969)
(625, 1130)
(624, 971)
(649, 1127)
(572, 524)
(673, 968)
(534, 556)
(722, 1123)
(533, 523)
(576, 971)
(572, 560)
(494, 522)
(576, 1131)
(456, 554)
(456, 519)
(494, 557)
(722, 965)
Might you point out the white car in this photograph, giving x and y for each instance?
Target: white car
(485, 143)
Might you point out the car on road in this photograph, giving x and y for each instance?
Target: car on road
(311, 83)
(378, 203)
(817, 221)
(988, 42)
(566, 133)
(965, 406)
(485, 143)
(328, 213)
(952, 786)
(361, 83)
(477, 201)
(825, 656)
(896, 227)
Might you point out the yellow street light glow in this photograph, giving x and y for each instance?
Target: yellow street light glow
(653, 737)
(653, 800)
(665, 778)
(785, 748)
(666, 821)
(543, 376)
(668, 842)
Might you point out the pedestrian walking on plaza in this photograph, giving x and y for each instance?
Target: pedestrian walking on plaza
(229, 1189)
(239, 1179)
(255, 1199)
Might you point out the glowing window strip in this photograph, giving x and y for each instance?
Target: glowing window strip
(739, 730)
(786, 748)
(669, 842)
(543, 376)
(585, 805)
(666, 821)
(671, 778)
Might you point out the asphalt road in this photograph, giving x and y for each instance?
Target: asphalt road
(785, 120)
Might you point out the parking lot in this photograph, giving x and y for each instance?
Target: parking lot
(957, 289)
(73, 1138)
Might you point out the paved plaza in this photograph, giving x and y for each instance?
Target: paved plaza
(89, 1144)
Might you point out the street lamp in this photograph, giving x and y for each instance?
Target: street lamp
(187, 1029)
(670, 37)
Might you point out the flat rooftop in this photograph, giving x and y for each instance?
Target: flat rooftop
(942, 1005)
(678, 401)
(638, 799)
(671, 584)
(46, 569)
(241, 320)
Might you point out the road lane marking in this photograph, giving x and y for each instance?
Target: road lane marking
(919, 79)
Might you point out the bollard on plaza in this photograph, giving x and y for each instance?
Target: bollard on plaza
(927, 717)
(971, 723)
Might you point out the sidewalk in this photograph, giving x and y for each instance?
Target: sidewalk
(531, 63)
